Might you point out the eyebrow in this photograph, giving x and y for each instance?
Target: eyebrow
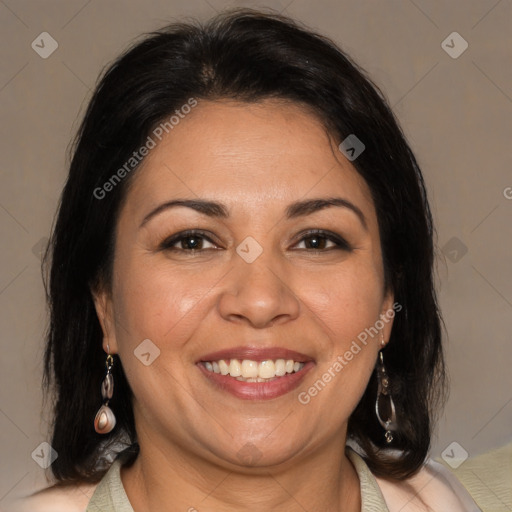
(209, 208)
(310, 206)
(294, 210)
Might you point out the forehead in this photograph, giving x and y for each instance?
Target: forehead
(269, 152)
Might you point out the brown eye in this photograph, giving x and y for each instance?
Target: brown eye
(316, 242)
(188, 242)
(191, 242)
(320, 240)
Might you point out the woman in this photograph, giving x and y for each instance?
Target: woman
(241, 284)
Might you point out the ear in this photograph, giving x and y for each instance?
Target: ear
(387, 314)
(104, 310)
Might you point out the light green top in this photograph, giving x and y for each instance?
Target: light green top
(487, 479)
(110, 495)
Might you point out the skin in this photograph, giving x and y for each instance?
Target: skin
(256, 159)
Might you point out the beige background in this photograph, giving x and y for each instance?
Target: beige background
(457, 114)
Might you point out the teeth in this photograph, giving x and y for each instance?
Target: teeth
(254, 371)
(224, 368)
(242, 379)
(235, 368)
(249, 369)
(280, 367)
(266, 369)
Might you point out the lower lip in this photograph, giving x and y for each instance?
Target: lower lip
(257, 390)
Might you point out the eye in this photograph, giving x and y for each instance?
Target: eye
(321, 240)
(188, 241)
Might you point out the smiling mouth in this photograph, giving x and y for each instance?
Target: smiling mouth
(248, 370)
(251, 372)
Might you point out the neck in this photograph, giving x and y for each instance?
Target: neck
(323, 480)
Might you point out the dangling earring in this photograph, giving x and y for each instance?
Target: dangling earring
(105, 420)
(383, 392)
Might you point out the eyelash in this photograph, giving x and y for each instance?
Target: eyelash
(341, 244)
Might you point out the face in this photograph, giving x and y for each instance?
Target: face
(257, 268)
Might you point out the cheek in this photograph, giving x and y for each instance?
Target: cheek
(345, 304)
(346, 301)
(345, 307)
(165, 305)
(158, 301)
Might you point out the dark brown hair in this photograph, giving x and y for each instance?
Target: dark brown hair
(248, 56)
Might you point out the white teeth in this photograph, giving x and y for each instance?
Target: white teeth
(254, 371)
(280, 367)
(242, 379)
(249, 369)
(224, 368)
(267, 369)
(235, 368)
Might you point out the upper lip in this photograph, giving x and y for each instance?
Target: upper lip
(256, 354)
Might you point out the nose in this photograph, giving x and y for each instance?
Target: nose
(258, 295)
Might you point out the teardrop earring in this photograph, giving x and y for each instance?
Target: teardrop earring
(383, 409)
(105, 420)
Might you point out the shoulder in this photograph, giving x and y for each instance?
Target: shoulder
(72, 498)
(432, 488)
